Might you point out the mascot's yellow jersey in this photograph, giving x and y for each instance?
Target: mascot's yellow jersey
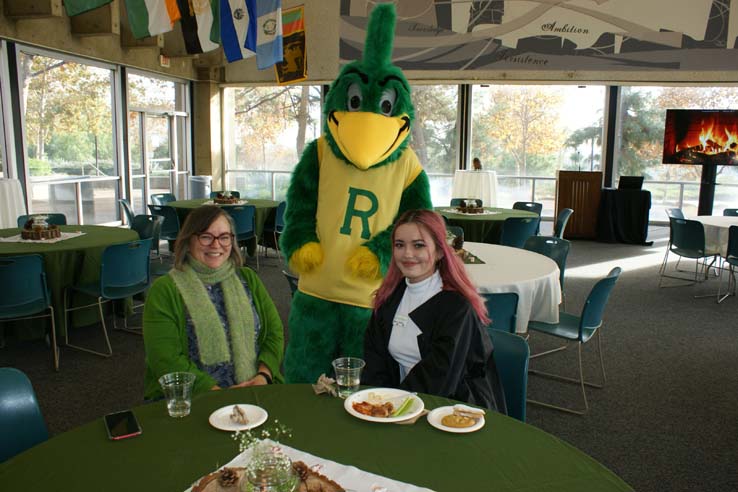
(353, 206)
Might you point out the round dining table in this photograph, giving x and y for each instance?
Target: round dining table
(717, 229)
(534, 277)
(171, 454)
(74, 260)
(484, 227)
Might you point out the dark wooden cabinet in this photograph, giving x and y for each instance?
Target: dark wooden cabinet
(579, 191)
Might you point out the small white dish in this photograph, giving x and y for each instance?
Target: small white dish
(435, 416)
(221, 418)
(416, 407)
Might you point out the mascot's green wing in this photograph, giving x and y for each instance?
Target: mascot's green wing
(416, 196)
(302, 200)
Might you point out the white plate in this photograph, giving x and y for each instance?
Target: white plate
(416, 407)
(221, 418)
(435, 416)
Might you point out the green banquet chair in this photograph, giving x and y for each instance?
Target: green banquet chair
(561, 220)
(579, 329)
(502, 309)
(162, 198)
(51, 219)
(511, 355)
(516, 230)
(244, 217)
(731, 258)
(128, 210)
(22, 425)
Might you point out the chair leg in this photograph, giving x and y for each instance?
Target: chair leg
(102, 322)
(731, 283)
(580, 381)
(134, 330)
(54, 345)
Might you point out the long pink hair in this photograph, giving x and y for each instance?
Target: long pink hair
(450, 266)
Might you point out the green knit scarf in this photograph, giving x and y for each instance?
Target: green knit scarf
(211, 339)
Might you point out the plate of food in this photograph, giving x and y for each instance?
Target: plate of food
(239, 417)
(457, 418)
(384, 405)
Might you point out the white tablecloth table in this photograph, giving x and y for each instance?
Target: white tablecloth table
(716, 231)
(11, 203)
(534, 277)
(476, 184)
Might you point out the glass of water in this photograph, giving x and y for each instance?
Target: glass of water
(348, 374)
(177, 388)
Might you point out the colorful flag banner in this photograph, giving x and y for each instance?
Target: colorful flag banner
(268, 33)
(293, 68)
(76, 7)
(151, 17)
(238, 28)
(197, 21)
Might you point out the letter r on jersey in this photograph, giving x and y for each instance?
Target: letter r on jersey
(364, 215)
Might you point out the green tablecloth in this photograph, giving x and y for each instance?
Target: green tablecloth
(482, 228)
(265, 212)
(67, 262)
(171, 454)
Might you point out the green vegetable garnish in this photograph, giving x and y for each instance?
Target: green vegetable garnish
(404, 407)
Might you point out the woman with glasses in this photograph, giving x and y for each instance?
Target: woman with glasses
(210, 315)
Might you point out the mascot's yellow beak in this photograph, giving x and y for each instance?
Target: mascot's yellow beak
(366, 139)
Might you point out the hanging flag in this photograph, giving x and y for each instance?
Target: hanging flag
(151, 17)
(76, 7)
(238, 28)
(197, 21)
(293, 68)
(268, 33)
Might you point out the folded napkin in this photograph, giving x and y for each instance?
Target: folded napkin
(348, 477)
(325, 385)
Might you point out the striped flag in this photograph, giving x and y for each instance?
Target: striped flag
(151, 17)
(294, 66)
(76, 7)
(238, 28)
(197, 22)
(268, 33)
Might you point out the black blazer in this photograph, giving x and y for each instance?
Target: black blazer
(455, 350)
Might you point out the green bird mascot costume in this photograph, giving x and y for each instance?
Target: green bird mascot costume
(346, 192)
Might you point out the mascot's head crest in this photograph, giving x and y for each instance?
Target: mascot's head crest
(368, 108)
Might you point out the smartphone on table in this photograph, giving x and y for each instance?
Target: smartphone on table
(121, 425)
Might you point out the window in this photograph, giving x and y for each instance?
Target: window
(527, 133)
(69, 140)
(639, 146)
(158, 136)
(435, 136)
(265, 130)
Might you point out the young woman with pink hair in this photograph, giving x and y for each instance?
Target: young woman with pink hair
(427, 332)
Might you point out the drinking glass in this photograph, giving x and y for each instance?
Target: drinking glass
(348, 374)
(177, 387)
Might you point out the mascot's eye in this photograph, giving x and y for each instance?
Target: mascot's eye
(354, 97)
(387, 103)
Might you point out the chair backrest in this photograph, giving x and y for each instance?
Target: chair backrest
(511, 353)
(29, 293)
(279, 217)
(124, 269)
(553, 247)
(457, 202)
(148, 227)
(244, 217)
(170, 226)
(687, 237)
(675, 213)
(456, 231)
(234, 193)
(732, 254)
(55, 219)
(128, 210)
(730, 212)
(21, 424)
(516, 230)
(561, 220)
(502, 309)
(534, 207)
(596, 301)
(162, 198)
(292, 279)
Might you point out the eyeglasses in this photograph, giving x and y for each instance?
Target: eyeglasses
(206, 239)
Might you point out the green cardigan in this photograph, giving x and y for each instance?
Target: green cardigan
(165, 334)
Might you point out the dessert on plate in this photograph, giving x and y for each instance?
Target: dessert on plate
(230, 480)
(225, 199)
